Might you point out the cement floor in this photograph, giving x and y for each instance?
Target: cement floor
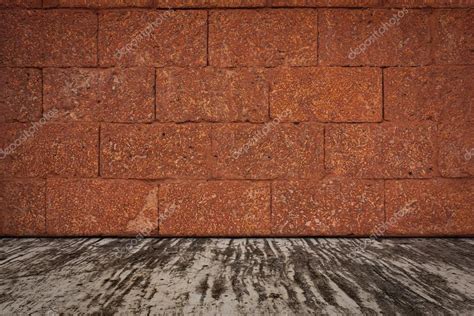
(236, 276)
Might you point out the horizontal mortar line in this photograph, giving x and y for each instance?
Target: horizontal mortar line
(178, 180)
(10, 178)
(154, 180)
(377, 7)
(322, 66)
(203, 122)
(77, 67)
(165, 180)
(254, 236)
(158, 123)
(234, 123)
(151, 8)
(322, 178)
(223, 123)
(232, 67)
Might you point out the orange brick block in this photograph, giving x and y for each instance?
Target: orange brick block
(216, 208)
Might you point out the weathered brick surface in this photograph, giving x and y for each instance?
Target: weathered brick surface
(49, 149)
(20, 94)
(20, 3)
(326, 94)
(268, 151)
(454, 36)
(429, 93)
(211, 94)
(325, 3)
(435, 207)
(346, 37)
(22, 207)
(217, 208)
(456, 149)
(327, 207)
(153, 38)
(155, 151)
(97, 3)
(111, 95)
(209, 3)
(99, 207)
(236, 118)
(262, 37)
(382, 150)
(48, 38)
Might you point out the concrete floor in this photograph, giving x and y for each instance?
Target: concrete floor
(237, 276)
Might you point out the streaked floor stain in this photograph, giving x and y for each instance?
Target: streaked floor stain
(202, 276)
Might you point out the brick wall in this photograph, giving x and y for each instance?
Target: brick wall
(236, 118)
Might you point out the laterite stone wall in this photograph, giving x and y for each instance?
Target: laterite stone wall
(237, 118)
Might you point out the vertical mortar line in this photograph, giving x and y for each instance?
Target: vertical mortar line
(210, 152)
(99, 150)
(384, 205)
(317, 35)
(437, 147)
(324, 149)
(97, 38)
(158, 209)
(154, 94)
(269, 91)
(383, 95)
(271, 208)
(432, 23)
(46, 206)
(433, 43)
(207, 38)
(42, 92)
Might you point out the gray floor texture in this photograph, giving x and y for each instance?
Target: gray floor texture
(248, 276)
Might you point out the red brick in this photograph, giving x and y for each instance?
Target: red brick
(22, 207)
(155, 151)
(268, 151)
(111, 95)
(211, 94)
(20, 3)
(429, 93)
(153, 38)
(430, 207)
(97, 3)
(429, 3)
(454, 37)
(99, 207)
(329, 207)
(382, 150)
(52, 149)
(217, 208)
(342, 32)
(263, 37)
(209, 3)
(48, 38)
(327, 94)
(20, 94)
(325, 3)
(456, 149)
